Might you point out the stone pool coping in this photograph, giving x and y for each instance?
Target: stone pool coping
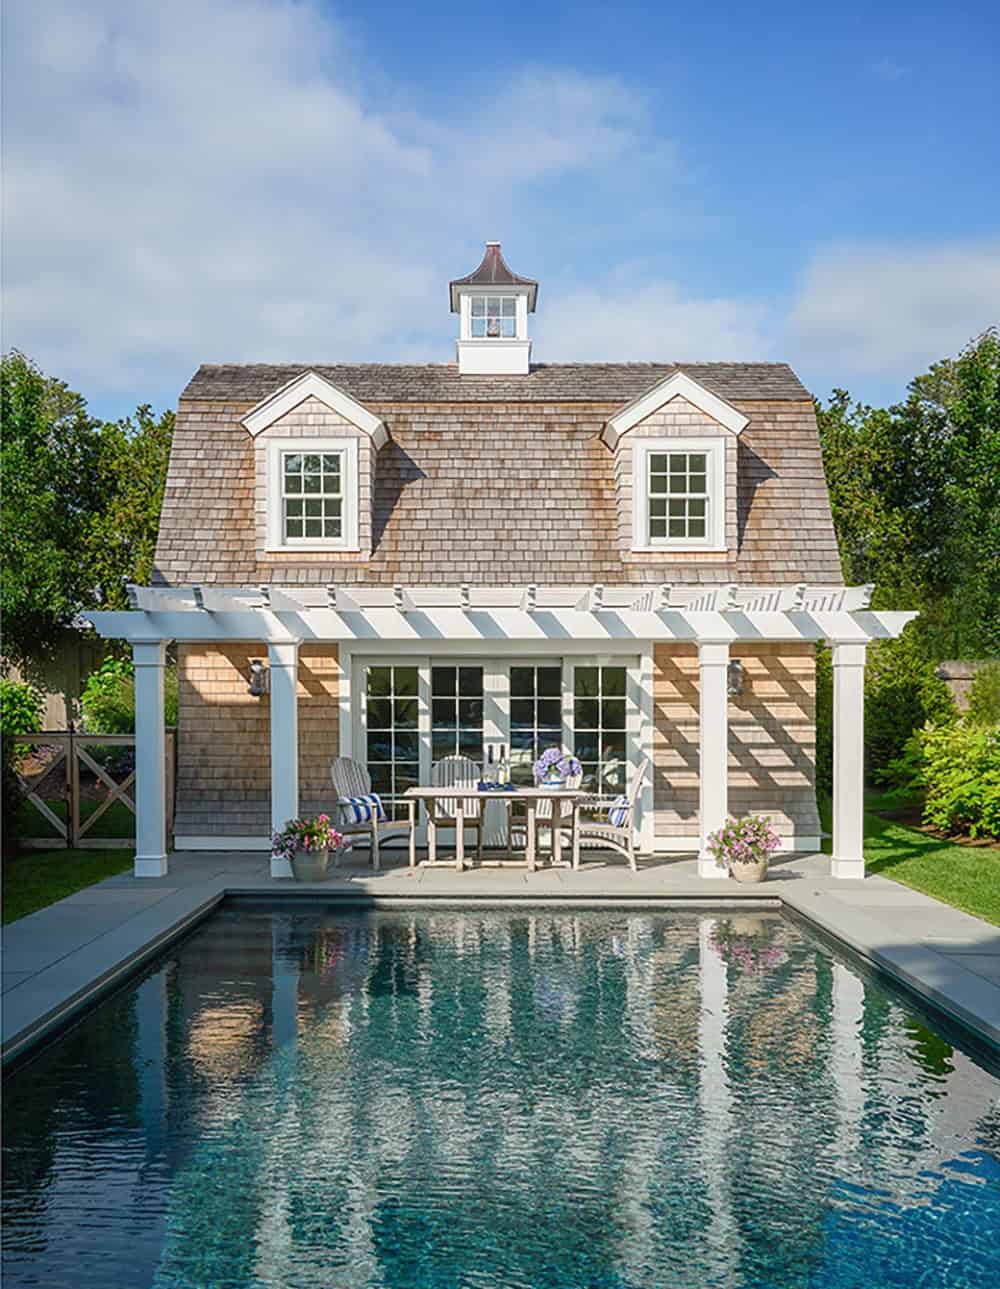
(60, 959)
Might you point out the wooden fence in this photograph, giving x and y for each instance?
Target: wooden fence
(74, 770)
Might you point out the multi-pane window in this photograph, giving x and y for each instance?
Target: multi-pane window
(393, 717)
(678, 496)
(493, 316)
(599, 725)
(535, 717)
(312, 496)
(457, 712)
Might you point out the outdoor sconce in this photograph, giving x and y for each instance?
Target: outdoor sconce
(735, 685)
(259, 677)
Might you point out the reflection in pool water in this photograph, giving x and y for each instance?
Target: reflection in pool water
(534, 1098)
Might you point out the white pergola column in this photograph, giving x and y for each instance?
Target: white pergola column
(150, 760)
(713, 748)
(848, 760)
(283, 663)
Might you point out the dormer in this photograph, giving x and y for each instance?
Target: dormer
(493, 304)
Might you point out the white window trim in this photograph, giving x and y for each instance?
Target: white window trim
(715, 535)
(348, 541)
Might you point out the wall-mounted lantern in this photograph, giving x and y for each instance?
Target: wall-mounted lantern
(736, 673)
(259, 678)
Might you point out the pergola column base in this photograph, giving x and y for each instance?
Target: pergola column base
(707, 867)
(150, 866)
(851, 870)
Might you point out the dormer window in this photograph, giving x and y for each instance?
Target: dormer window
(313, 494)
(493, 316)
(680, 494)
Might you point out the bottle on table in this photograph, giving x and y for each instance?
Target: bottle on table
(503, 770)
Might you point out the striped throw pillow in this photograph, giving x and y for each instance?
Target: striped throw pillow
(618, 812)
(362, 808)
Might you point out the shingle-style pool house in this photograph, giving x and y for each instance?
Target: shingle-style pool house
(531, 634)
(631, 561)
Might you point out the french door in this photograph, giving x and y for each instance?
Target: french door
(408, 713)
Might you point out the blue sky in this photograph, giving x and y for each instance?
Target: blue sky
(266, 180)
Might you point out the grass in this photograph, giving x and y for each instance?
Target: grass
(33, 879)
(967, 877)
(117, 821)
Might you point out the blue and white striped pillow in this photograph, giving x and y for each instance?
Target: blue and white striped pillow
(618, 812)
(362, 808)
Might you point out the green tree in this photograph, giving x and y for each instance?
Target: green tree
(915, 493)
(51, 488)
(120, 541)
(80, 508)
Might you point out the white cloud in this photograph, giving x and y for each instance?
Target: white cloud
(651, 322)
(889, 311)
(207, 180)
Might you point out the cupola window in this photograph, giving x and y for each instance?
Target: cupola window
(493, 316)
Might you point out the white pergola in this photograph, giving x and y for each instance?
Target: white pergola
(512, 619)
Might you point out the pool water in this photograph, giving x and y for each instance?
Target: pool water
(310, 1096)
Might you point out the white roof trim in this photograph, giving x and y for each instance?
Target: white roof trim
(679, 385)
(311, 385)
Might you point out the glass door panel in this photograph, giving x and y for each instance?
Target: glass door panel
(457, 712)
(392, 704)
(535, 716)
(599, 723)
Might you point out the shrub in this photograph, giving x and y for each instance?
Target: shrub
(961, 772)
(20, 707)
(108, 698)
(984, 696)
(20, 713)
(902, 693)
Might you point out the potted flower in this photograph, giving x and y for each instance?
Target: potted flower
(554, 767)
(744, 847)
(306, 844)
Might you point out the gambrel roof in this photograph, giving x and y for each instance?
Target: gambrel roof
(546, 382)
(500, 477)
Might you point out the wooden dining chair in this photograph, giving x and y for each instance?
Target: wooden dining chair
(454, 772)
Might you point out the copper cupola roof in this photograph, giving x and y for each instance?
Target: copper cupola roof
(493, 271)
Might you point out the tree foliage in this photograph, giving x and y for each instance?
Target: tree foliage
(915, 492)
(80, 506)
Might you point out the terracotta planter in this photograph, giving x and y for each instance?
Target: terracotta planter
(310, 865)
(752, 872)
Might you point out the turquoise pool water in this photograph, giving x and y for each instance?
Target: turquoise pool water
(317, 1097)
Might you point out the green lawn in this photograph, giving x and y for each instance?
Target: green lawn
(33, 879)
(117, 821)
(967, 877)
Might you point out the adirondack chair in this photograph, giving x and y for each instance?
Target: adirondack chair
(620, 835)
(454, 771)
(351, 779)
(543, 815)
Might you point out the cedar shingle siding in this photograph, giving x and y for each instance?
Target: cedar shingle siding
(497, 479)
(493, 480)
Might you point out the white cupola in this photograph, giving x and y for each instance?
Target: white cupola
(493, 306)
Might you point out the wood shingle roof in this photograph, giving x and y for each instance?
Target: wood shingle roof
(545, 383)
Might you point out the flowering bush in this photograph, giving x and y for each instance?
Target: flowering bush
(751, 952)
(743, 841)
(563, 762)
(305, 834)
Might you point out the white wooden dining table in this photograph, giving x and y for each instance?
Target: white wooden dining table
(530, 796)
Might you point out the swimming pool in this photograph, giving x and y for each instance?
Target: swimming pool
(313, 1096)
